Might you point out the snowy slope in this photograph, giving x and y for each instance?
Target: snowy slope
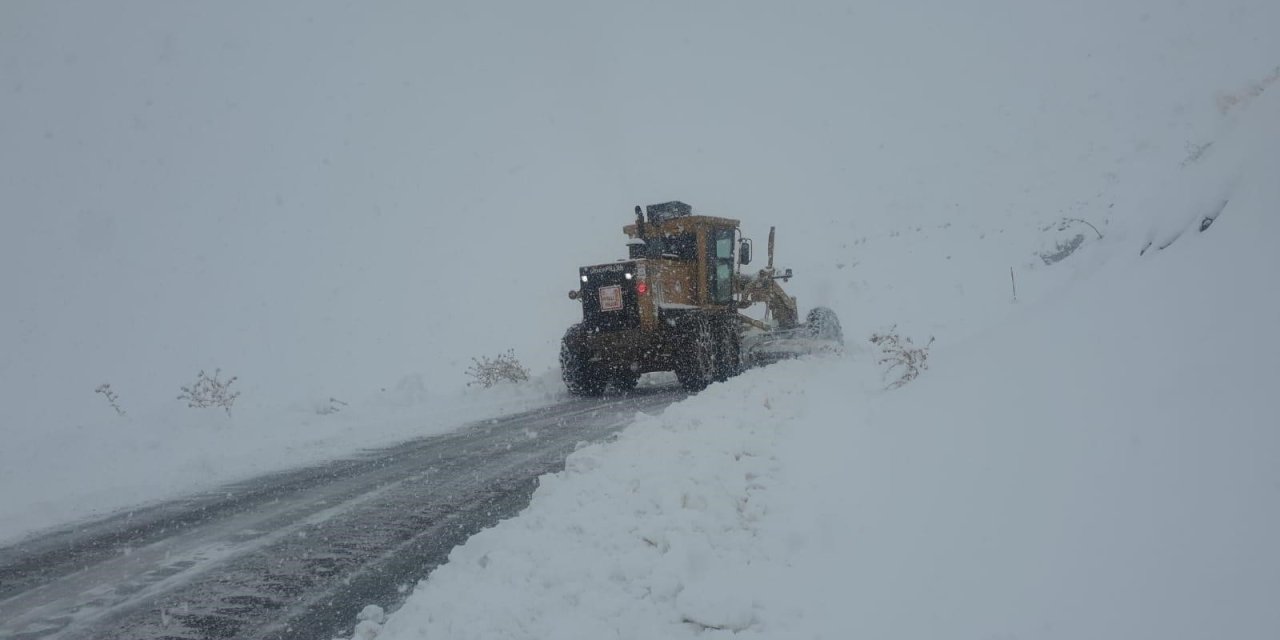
(1103, 464)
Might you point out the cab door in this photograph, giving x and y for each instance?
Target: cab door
(720, 260)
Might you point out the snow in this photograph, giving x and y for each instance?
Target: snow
(1098, 460)
(141, 458)
(1102, 464)
(332, 201)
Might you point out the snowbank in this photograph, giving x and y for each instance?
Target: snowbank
(1103, 464)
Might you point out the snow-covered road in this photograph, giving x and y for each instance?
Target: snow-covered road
(296, 554)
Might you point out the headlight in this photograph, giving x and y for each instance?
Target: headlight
(628, 276)
(584, 278)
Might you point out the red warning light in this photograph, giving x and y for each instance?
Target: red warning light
(642, 288)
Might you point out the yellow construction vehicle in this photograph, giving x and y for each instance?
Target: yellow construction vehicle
(674, 305)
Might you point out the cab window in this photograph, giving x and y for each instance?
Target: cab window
(722, 261)
(681, 246)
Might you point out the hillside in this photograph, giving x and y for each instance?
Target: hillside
(1099, 464)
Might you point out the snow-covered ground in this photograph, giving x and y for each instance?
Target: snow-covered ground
(59, 475)
(331, 200)
(1104, 463)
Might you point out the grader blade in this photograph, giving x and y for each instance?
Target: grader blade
(820, 334)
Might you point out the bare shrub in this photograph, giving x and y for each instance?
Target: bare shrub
(208, 391)
(112, 398)
(1064, 245)
(905, 359)
(1196, 151)
(487, 372)
(334, 405)
(1062, 249)
(1230, 100)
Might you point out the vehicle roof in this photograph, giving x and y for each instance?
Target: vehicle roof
(684, 224)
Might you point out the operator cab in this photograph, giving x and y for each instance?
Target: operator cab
(694, 249)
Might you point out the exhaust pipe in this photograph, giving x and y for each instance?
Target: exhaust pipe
(651, 248)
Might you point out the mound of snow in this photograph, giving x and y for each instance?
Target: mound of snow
(1102, 464)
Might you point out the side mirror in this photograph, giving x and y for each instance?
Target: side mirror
(744, 252)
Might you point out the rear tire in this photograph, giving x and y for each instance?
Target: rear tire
(626, 380)
(729, 350)
(579, 374)
(696, 362)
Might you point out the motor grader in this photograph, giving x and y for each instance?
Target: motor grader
(675, 304)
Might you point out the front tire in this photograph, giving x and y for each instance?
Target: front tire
(823, 324)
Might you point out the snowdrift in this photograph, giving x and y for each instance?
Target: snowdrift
(1102, 464)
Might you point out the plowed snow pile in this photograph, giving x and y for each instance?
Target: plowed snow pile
(1105, 463)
